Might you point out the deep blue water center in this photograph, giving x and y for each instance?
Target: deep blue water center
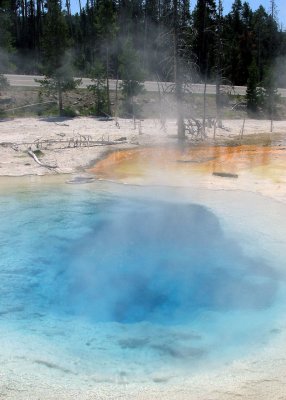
(156, 262)
(109, 259)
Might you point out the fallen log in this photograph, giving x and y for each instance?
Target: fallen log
(81, 180)
(225, 174)
(33, 155)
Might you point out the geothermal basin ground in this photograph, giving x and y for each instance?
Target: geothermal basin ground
(154, 271)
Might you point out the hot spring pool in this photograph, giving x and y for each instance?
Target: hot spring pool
(101, 283)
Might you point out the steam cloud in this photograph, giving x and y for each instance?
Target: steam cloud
(161, 263)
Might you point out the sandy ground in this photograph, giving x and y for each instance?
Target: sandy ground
(61, 142)
(247, 379)
(72, 145)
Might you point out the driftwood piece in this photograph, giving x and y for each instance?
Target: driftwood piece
(33, 155)
(225, 174)
(81, 180)
(66, 143)
(199, 161)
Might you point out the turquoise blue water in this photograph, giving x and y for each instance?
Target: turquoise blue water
(133, 285)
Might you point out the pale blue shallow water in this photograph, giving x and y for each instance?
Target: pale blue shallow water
(139, 283)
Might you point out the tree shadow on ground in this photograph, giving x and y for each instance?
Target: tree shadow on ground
(56, 119)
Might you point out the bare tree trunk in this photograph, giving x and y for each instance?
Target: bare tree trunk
(218, 102)
(98, 110)
(60, 95)
(133, 112)
(242, 129)
(205, 107)
(215, 126)
(116, 101)
(107, 82)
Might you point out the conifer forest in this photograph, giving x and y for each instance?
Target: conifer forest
(138, 40)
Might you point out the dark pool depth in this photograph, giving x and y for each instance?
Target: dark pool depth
(106, 259)
(156, 262)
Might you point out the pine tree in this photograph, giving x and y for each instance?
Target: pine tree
(219, 60)
(5, 37)
(132, 77)
(57, 62)
(177, 59)
(3, 83)
(152, 28)
(271, 98)
(204, 23)
(5, 43)
(99, 32)
(152, 10)
(252, 93)
(98, 89)
(178, 72)
(106, 26)
(234, 32)
(266, 39)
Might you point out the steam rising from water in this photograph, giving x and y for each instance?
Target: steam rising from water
(158, 262)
